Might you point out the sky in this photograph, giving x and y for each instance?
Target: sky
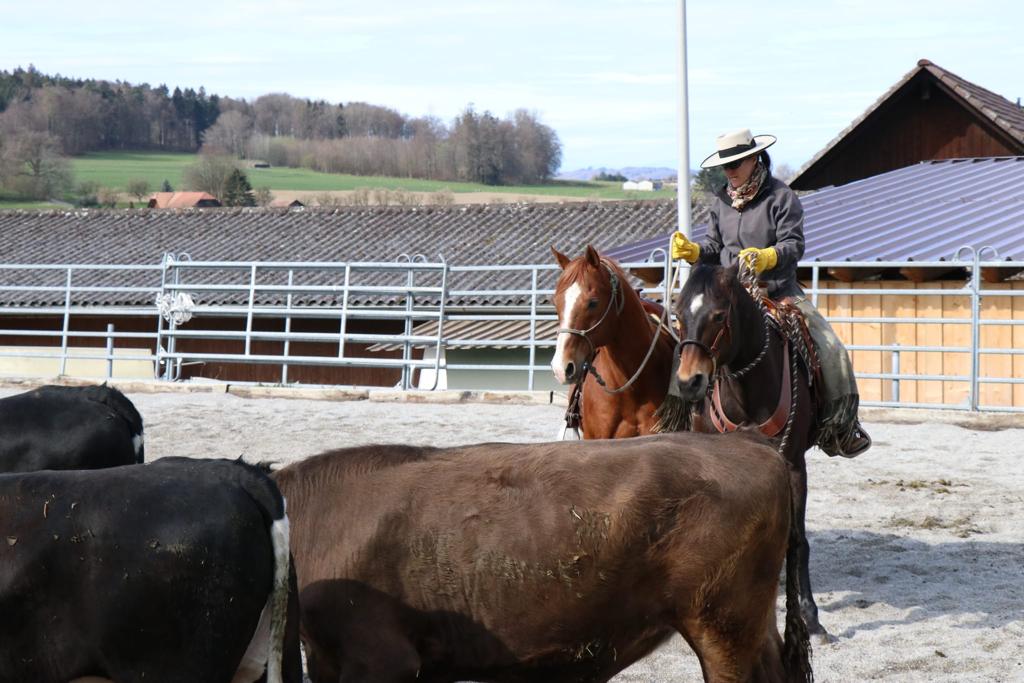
(603, 74)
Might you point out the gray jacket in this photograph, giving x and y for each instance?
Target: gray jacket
(774, 218)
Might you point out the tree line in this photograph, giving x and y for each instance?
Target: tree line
(44, 118)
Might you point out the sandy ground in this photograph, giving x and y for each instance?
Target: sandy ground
(917, 547)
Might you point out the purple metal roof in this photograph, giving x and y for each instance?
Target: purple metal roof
(923, 212)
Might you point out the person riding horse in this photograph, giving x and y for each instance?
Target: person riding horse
(758, 219)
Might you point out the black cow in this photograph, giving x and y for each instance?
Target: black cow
(69, 428)
(171, 572)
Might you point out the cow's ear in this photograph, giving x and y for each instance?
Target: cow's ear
(562, 259)
(593, 258)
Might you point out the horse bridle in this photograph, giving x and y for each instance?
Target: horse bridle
(711, 351)
(588, 364)
(617, 300)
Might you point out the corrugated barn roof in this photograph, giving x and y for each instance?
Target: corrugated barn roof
(923, 212)
(498, 234)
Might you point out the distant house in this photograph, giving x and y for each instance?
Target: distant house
(182, 200)
(929, 115)
(642, 185)
(285, 204)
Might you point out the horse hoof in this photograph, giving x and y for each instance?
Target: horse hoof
(823, 637)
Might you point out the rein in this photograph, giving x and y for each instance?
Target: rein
(573, 417)
(782, 418)
(654, 342)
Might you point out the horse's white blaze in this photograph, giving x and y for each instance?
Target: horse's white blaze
(697, 304)
(568, 304)
(266, 648)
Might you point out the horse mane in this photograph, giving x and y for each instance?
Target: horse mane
(707, 277)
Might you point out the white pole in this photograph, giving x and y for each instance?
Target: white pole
(683, 193)
(682, 268)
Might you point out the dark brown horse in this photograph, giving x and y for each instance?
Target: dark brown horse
(609, 344)
(734, 367)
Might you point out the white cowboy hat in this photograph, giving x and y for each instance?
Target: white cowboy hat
(737, 145)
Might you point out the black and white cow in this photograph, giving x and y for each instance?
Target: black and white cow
(170, 572)
(69, 428)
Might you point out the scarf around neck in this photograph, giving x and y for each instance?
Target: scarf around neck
(742, 195)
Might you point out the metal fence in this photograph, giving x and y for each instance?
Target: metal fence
(489, 307)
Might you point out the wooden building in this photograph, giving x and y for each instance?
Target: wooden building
(930, 114)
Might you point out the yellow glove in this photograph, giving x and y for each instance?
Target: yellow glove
(760, 259)
(683, 248)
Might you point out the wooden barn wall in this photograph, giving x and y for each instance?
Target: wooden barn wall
(305, 374)
(956, 305)
(909, 130)
(238, 372)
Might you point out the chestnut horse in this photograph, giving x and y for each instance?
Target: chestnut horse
(608, 345)
(734, 367)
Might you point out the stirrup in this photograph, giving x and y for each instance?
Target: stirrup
(855, 442)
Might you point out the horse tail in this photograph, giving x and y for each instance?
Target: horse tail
(796, 642)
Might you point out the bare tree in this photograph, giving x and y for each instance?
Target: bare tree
(329, 200)
(783, 172)
(107, 197)
(33, 166)
(318, 120)
(371, 120)
(229, 134)
(209, 174)
(138, 188)
(442, 197)
(263, 196)
(537, 148)
(275, 114)
(360, 196)
(87, 193)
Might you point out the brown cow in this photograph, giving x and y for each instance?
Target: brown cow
(563, 561)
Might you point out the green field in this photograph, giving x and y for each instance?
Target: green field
(115, 169)
(22, 204)
(11, 201)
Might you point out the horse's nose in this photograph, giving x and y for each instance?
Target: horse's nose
(570, 371)
(695, 383)
(690, 389)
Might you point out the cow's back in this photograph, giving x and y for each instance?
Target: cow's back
(163, 568)
(500, 554)
(58, 427)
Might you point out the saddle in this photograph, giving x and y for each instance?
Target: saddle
(793, 325)
(652, 307)
(655, 310)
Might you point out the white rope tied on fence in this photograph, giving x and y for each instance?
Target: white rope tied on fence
(175, 308)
